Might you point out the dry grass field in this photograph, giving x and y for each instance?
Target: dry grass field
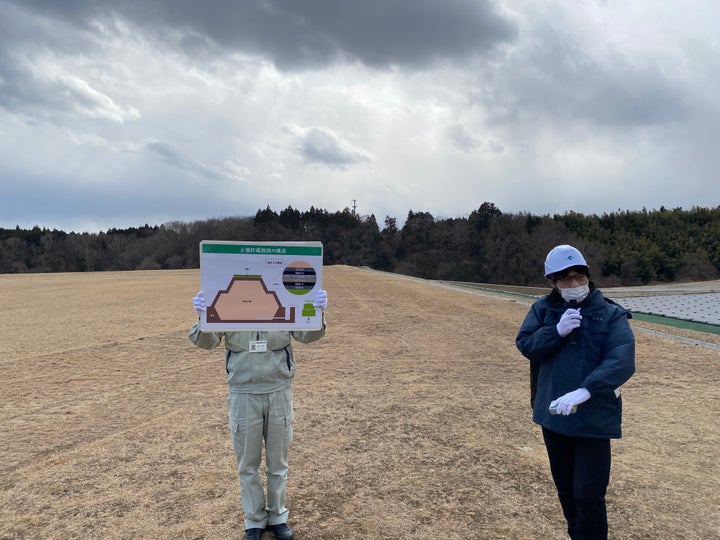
(412, 419)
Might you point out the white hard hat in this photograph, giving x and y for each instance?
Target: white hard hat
(562, 257)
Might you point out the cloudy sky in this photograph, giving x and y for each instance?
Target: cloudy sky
(121, 113)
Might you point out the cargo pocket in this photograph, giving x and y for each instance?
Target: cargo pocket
(237, 413)
(281, 420)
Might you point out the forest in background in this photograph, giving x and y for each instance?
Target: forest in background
(623, 248)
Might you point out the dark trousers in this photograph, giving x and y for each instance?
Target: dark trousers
(580, 467)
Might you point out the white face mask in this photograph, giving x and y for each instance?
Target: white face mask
(577, 294)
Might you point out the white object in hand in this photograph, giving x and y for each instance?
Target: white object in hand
(569, 321)
(568, 403)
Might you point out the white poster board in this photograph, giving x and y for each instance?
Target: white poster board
(260, 285)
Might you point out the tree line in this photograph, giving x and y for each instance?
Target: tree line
(488, 246)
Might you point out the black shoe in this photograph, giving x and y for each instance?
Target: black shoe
(281, 531)
(253, 534)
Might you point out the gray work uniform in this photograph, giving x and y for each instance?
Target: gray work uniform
(260, 407)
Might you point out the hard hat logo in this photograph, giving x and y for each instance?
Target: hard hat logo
(561, 257)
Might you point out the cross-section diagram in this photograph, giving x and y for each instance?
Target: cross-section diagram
(247, 300)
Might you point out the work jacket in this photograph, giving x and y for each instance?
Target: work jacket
(598, 356)
(256, 372)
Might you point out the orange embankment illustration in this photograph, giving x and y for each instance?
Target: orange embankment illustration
(246, 299)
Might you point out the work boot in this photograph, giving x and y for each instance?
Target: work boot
(281, 531)
(253, 534)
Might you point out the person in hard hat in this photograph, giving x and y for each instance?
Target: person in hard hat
(260, 369)
(581, 349)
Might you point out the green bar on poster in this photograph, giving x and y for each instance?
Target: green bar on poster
(258, 249)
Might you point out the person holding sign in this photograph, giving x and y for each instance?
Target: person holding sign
(581, 349)
(260, 369)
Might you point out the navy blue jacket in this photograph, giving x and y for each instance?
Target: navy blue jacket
(598, 356)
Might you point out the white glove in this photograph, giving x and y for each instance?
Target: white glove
(569, 321)
(568, 403)
(320, 300)
(199, 303)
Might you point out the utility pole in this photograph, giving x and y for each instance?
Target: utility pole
(354, 206)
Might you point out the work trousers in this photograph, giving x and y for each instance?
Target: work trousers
(580, 468)
(254, 419)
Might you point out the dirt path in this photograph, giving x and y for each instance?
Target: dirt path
(412, 419)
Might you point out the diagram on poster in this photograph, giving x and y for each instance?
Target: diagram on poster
(260, 285)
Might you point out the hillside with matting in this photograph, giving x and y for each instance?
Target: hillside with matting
(412, 419)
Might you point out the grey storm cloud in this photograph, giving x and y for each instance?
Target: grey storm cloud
(554, 77)
(322, 146)
(557, 77)
(25, 87)
(308, 33)
(176, 159)
(422, 104)
(466, 141)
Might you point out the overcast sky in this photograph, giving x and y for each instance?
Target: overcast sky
(117, 114)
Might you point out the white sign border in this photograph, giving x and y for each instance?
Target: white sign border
(217, 271)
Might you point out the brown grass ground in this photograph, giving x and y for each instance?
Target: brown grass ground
(412, 419)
